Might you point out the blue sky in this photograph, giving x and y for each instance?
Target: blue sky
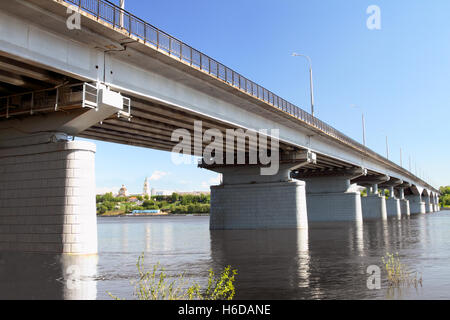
(398, 76)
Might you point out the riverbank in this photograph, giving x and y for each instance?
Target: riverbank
(108, 205)
(162, 214)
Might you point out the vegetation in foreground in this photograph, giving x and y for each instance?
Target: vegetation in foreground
(155, 285)
(398, 274)
(176, 203)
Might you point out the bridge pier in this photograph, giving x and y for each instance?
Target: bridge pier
(428, 204)
(374, 206)
(47, 198)
(404, 203)
(47, 181)
(332, 198)
(247, 200)
(393, 206)
(436, 203)
(416, 205)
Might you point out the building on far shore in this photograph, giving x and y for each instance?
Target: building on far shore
(146, 191)
(123, 192)
(161, 192)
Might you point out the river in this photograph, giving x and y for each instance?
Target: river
(326, 261)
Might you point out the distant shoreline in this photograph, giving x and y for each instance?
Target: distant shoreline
(155, 215)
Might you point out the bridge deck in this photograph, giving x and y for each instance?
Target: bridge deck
(152, 122)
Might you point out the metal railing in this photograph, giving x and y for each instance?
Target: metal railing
(38, 101)
(84, 95)
(125, 21)
(134, 26)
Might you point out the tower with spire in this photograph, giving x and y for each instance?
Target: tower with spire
(146, 188)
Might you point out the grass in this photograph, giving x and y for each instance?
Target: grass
(398, 274)
(156, 285)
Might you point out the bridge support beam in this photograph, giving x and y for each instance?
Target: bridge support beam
(404, 203)
(416, 205)
(47, 182)
(248, 200)
(393, 205)
(404, 207)
(428, 204)
(333, 198)
(47, 197)
(436, 203)
(245, 200)
(374, 207)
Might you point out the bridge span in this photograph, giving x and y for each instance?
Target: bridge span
(87, 68)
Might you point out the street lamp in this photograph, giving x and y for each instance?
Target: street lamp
(387, 148)
(310, 79)
(122, 6)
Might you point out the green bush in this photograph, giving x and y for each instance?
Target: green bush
(155, 285)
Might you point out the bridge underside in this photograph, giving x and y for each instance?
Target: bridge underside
(47, 197)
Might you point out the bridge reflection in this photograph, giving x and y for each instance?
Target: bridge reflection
(316, 263)
(48, 277)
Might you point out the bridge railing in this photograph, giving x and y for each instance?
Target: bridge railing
(122, 19)
(110, 13)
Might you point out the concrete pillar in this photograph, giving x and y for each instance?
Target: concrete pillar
(373, 205)
(393, 208)
(436, 204)
(248, 200)
(404, 203)
(47, 195)
(332, 198)
(416, 205)
(375, 189)
(393, 204)
(428, 204)
(404, 207)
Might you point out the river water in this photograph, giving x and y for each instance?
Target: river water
(327, 261)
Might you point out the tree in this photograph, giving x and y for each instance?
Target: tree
(108, 197)
(109, 204)
(148, 203)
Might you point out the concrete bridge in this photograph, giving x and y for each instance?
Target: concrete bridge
(90, 69)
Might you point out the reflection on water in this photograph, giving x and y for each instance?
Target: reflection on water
(326, 261)
(55, 277)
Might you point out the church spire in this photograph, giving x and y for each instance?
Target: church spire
(146, 188)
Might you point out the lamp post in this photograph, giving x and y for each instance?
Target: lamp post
(401, 160)
(387, 148)
(122, 6)
(310, 79)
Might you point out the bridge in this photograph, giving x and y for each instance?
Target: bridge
(87, 68)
